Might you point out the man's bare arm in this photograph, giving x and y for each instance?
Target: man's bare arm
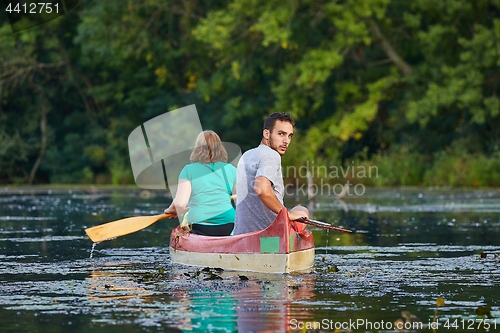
(264, 190)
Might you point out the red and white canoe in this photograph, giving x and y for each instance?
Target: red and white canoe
(282, 247)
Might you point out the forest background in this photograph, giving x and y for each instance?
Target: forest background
(408, 87)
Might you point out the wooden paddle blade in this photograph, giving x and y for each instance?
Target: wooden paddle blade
(122, 227)
(322, 225)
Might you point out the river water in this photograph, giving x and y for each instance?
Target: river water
(412, 250)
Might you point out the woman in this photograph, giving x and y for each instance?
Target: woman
(206, 185)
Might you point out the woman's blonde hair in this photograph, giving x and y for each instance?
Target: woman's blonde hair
(208, 148)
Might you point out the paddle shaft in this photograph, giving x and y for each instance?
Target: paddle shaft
(322, 225)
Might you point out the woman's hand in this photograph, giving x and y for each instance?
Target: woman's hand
(181, 199)
(171, 211)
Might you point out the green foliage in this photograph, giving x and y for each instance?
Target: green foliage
(121, 174)
(454, 168)
(353, 124)
(409, 87)
(463, 68)
(402, 166)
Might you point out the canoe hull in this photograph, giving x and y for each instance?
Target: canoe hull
(300, 261)
(282, 247)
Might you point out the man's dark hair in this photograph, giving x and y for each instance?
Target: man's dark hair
(282, 116)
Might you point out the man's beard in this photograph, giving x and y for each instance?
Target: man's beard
(273, 146)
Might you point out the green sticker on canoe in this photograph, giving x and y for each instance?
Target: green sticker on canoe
(292, 243)
(270, 244)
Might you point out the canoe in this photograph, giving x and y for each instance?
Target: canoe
(283, 247)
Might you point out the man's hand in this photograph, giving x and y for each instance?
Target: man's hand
(298, 212)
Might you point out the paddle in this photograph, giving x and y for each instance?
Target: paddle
(315, 223)
(323, 225)
(125, 226)
(122, 227)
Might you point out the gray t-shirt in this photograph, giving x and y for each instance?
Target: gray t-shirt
(251, 213)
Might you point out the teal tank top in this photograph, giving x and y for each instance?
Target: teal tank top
(210, 202)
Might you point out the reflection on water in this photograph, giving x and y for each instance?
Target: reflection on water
(409, 248)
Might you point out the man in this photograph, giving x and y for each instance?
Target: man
(259, 183)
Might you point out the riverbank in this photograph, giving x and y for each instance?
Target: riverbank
(64, 188)
(398, 168)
